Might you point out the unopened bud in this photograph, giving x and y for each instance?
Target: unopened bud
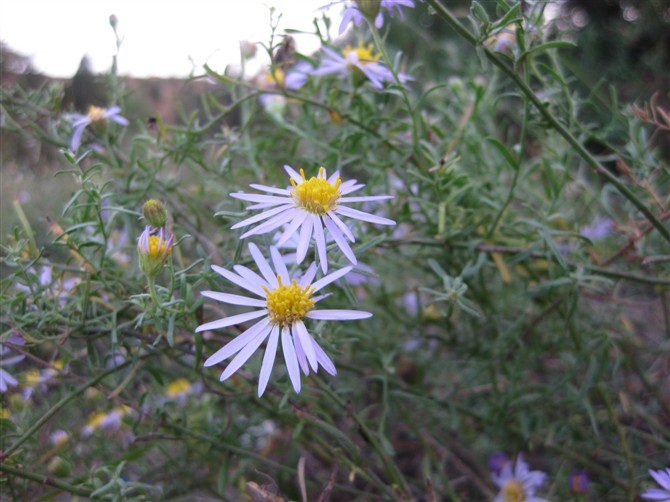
(155, 213)
(369, 8)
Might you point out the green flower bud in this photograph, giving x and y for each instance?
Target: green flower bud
(369, 8)
(153, 247)
(59, 467)
(155, 213)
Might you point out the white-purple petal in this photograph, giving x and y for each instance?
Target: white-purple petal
(360, 215)
(306, 343)
(268, 360)
(324, 281)
(233, 299)
(290, 358)
(320, 239)
(242, 282)
(338, 315)
(231, 321)
(236, 344)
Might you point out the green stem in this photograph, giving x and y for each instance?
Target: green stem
(444, 13)
(390, 466)
(405, 96)
(152, 291)
(57, 407)
(624, 442)
(45, 480)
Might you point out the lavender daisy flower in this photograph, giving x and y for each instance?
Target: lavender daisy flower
(662, 477)
(517, 483)
(361, 61)
(7, 380)
(95, 115)
(284, 303)
(353, 12)
(315, 206)
(578, 481)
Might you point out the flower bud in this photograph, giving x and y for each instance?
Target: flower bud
(155, 213)
(369, 8)
(153, 247)
(59, 467)
(579, 481)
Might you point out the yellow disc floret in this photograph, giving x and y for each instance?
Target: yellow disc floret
(365, 54)
(513, 491)
(288, 304)
(158, 247)
(96, 114)
(178, 387)
(316, 195)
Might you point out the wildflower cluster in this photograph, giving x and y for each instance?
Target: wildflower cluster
(311, 208)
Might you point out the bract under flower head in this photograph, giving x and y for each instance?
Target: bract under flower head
(314, 206)
(283, 302)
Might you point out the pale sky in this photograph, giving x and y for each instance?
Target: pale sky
(160, 38)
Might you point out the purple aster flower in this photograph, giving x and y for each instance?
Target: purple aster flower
(662, 477)
(517, 482)
(283, 303)
(95, 115)
(497, 461)
(360, 60)
(315, 206)
(353, 12)
(579, 481)
(7, 380)
(599, 229)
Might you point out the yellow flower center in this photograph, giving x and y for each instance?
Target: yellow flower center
(316, 195)
(273, 77)
(365, 54)
(288, 304)
(179, 386)
(96, 114)
(96, 419)
(158, 248)
(513, 491)
(32, 377)
(5, 413)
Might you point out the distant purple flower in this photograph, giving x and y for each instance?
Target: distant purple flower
(7, 380)
(95, 115)
(662, 477)
(353, 13)
(599, 229)
(497, 461)
(579, 481)
(361, 60)
(516, 482)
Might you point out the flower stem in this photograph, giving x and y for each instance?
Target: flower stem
(444, 13)
(153, 293)
(45, 480)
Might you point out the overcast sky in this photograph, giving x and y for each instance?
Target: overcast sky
(160, 38)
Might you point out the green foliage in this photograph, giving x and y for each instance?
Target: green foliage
(520, 303)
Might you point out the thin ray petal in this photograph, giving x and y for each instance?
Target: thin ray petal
(237, 343)
(360, 215)
(338, 315)
(268, 360)
(231, 321)
(233, 299)
(306, 342)
(290, 358)
(324, 281)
